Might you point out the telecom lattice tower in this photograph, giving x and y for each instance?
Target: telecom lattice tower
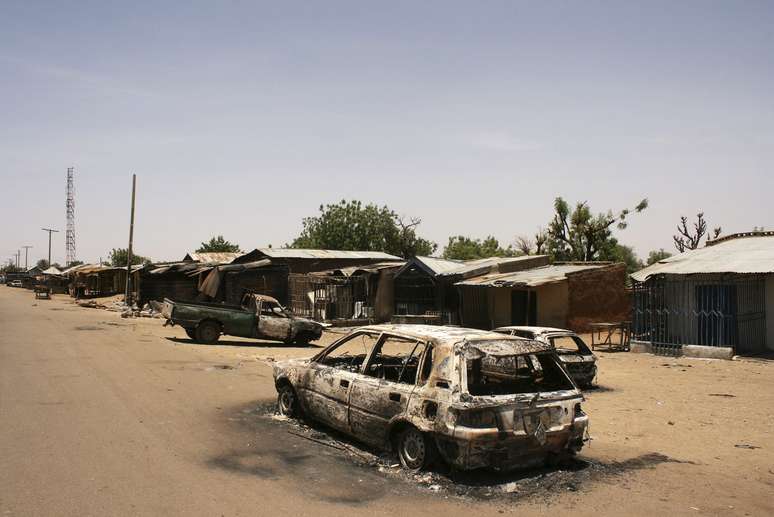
(70, 235)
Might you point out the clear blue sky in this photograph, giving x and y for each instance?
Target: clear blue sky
(241, 118)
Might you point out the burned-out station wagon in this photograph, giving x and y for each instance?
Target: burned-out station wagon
(476, 398)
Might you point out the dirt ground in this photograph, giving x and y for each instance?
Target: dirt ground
(101, 415)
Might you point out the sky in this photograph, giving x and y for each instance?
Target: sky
(242, 118)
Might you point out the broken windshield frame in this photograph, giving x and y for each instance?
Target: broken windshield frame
(489, 375)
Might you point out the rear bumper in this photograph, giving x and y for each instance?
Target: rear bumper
(511, 450)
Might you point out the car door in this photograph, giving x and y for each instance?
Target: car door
(385, 387)
(331, 376)
(272, 324)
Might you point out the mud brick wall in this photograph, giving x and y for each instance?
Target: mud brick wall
(598, 295)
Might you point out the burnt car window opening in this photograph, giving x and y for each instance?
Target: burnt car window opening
(272, 309)
(427, 365)
(507, 375)
(523, 333)
(351, 353)
(396, 359)
(568, 344)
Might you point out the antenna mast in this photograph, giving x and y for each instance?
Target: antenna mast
(70, 235)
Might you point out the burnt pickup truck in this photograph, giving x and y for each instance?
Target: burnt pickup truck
(258, 316)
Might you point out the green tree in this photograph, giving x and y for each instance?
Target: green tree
(118, 257)
(217, 244)
(465, 248)
(10, 267)
(42, 264)
(657, 256)
(75, 263)
(627, 255)
(350, 225)
(579, 234)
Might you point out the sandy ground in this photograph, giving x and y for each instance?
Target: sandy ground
(101, 415)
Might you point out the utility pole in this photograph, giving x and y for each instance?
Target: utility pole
(26, 251)
(18, 256)
(50, 231)
(128, 295)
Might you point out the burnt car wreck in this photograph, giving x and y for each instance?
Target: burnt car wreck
(471, 398)
(578, 359)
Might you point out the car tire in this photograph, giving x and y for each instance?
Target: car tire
(415, 449)
(208, 332)
(302, 339)
(191, 333)
(287, 401)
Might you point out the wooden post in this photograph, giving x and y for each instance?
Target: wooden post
(128, 294)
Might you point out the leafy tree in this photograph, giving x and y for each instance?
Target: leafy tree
(690, 240)
(579, 234)
(118, 257)
(532, 246)
(42, 264)
(75, 263)
(627, 255)
(657, 256)
(10, 267)
(217, 244)
(350, 225)
(465, 248)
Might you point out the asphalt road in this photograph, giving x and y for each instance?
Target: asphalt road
(101, 415)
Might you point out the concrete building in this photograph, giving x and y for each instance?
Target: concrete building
(564, 295)
(714, 301)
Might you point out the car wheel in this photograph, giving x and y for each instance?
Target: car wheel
(415, 450)
(287, 401)
(191, 333)
(302, 339)
(208, 332)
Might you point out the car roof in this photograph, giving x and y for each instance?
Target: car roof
(537, 330)
(447, 336)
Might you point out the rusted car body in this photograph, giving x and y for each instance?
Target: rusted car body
(574, 353)
(259, 317)
(476, 398)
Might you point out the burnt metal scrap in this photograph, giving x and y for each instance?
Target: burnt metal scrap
(471, 398)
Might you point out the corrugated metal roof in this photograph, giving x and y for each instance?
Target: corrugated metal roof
(52, 271)
(740, 253)
(468, 268)
(351, 270)
(212, 257)
(531, 277)
(440, 266)
(487, 265)
(325, 254)
(96, 268)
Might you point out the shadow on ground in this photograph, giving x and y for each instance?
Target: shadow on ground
(243, 344)
(335, 468)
